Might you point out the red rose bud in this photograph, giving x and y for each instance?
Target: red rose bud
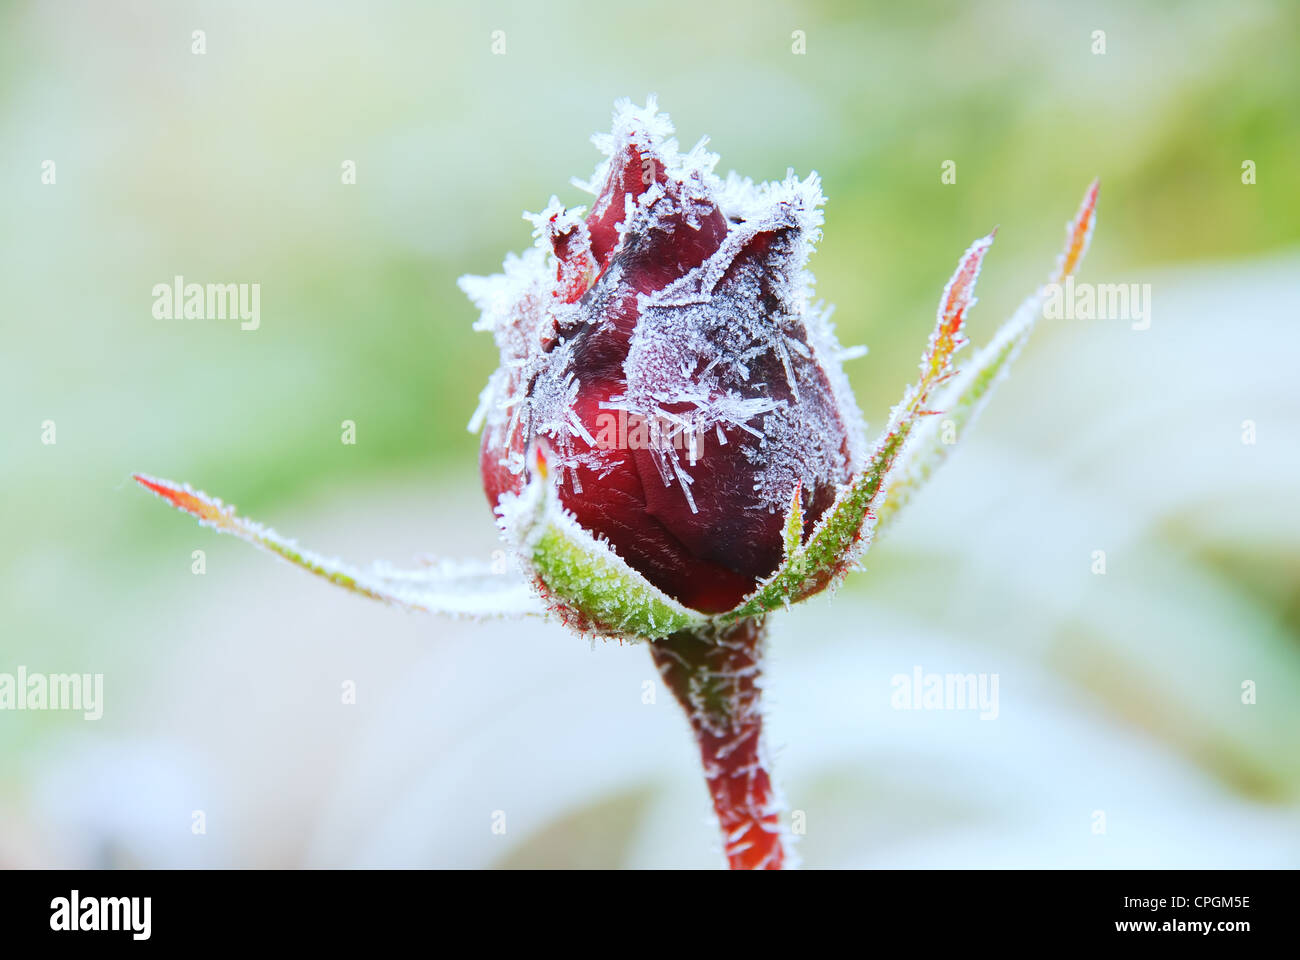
(661, 355)
(669, 441)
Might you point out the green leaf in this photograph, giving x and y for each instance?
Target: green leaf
(478, 590)
(793, 532)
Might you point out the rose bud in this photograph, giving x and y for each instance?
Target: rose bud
(660, 360)
(670, 446)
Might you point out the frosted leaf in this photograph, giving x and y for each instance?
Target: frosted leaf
(793, 529)
(962, 400)
(475, 590)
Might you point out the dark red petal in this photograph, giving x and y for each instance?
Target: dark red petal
(727, 527)
(612, 505)
(629, 173)
(732, 524)
(497, 477)
(646, 262)
(653, 258)
(575, 267)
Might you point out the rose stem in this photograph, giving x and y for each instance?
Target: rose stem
(714, 673)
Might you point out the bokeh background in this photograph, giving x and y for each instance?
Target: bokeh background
(1119, 693)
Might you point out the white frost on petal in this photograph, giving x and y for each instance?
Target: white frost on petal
(699, 340)
(732, 352)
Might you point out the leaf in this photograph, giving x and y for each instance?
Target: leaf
(793, 532)
(845, 530)
(455, 589)
(1078, 235)
(962, 401)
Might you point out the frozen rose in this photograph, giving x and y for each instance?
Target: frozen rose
(661, 354)
(669, 445)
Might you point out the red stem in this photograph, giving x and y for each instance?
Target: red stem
(714, 674)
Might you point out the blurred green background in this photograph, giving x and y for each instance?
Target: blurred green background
(225, 167)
